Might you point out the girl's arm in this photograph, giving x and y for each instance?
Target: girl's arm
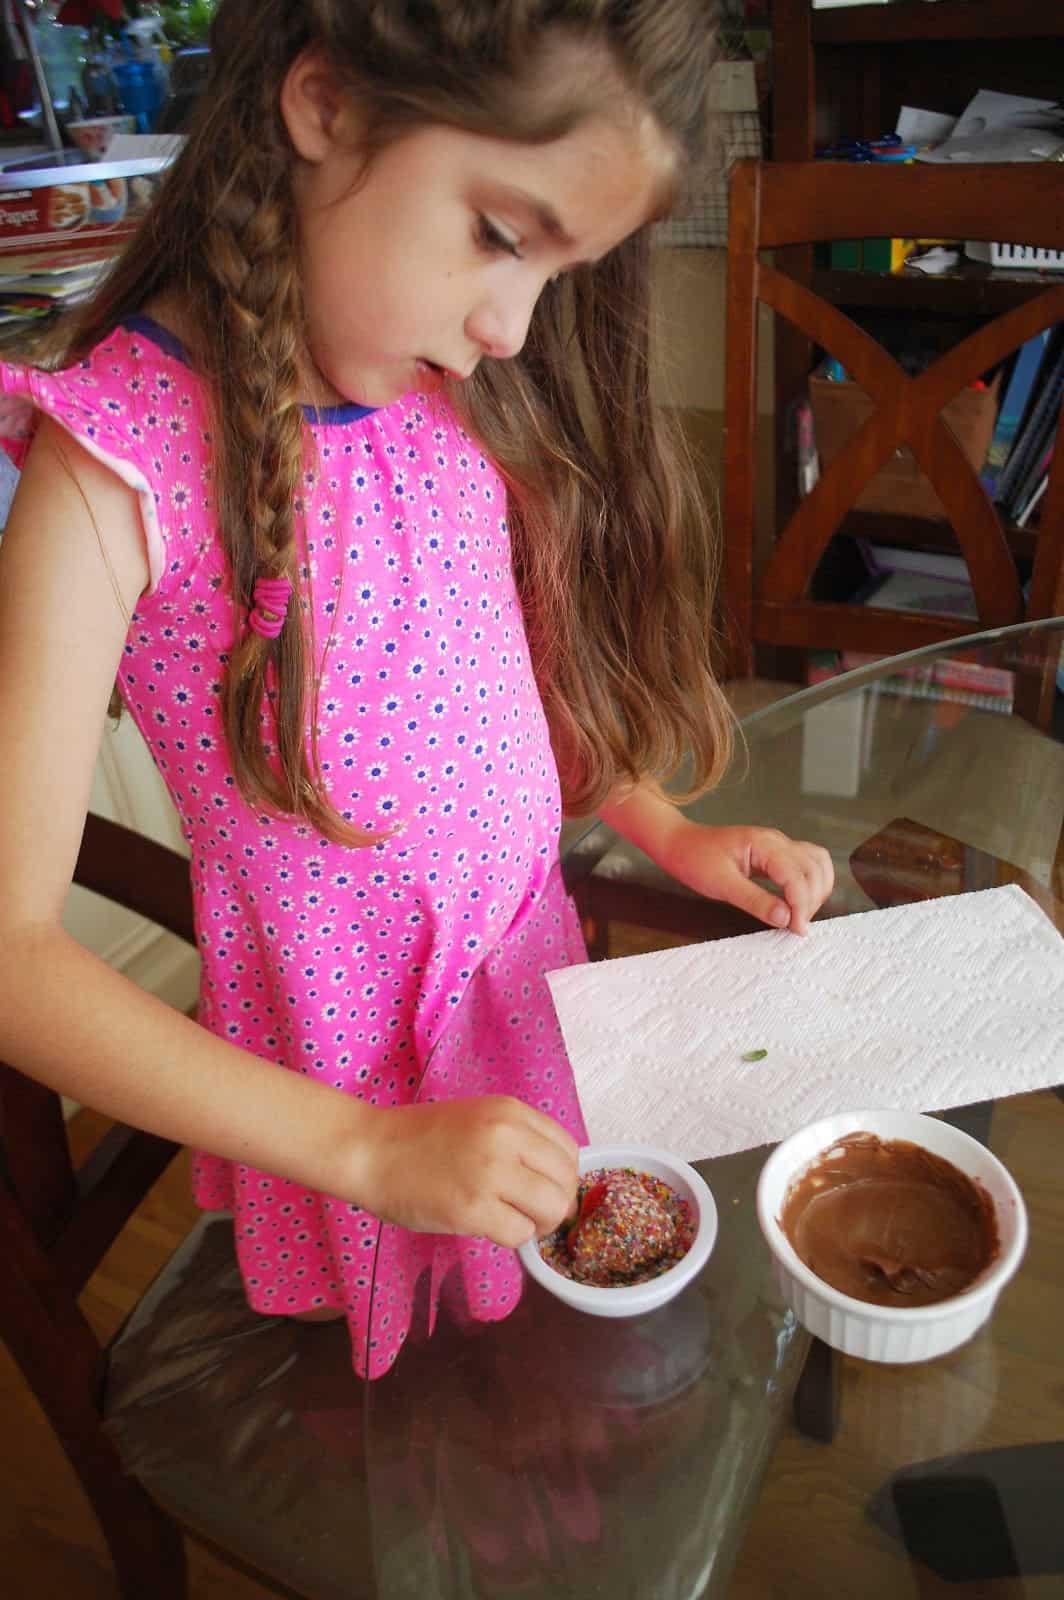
(720, 862)
(72, 565)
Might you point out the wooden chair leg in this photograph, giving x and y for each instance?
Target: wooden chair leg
(595, 928)
(816, 1399)
(58, 1356)
(147, 1547)
(973, 1120)
(597, 938)
(148, 1555)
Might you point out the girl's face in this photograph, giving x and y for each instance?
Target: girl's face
(437, 254)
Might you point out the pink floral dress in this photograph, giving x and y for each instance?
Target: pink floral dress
(412, 969)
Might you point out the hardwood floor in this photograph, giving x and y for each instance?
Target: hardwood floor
(809, 1534)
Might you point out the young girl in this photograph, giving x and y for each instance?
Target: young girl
(351, 477)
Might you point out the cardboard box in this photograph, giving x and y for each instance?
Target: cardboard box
(84, 205)
(900, 487)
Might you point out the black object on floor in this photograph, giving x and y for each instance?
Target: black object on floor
(990, 1514)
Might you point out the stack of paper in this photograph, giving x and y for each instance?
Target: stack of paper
(32, 285)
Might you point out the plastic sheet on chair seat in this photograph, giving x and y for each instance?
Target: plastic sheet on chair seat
(248, 1429)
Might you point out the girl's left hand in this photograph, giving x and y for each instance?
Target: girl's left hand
(720, 862)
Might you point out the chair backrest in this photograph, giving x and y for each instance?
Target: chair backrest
(56, 1223)
(776, 206)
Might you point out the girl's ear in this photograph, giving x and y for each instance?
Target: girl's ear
(316, 111)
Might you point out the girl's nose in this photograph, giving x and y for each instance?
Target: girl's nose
(500, 325)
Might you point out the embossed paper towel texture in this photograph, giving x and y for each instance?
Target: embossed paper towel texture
(918, 1007)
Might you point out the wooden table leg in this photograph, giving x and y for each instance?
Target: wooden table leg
(816, 1399)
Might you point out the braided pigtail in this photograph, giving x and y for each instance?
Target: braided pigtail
(259, 426)
(250, 261)
(223, 242)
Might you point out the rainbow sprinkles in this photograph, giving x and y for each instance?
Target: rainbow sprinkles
(630, 1227)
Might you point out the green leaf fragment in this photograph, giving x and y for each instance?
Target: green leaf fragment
(754, 1055)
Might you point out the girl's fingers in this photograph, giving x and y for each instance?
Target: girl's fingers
(760, 903)
(798, 921)
(552, 1131)
(556, 1166)
(509, 1224)
(802, 896)
(506, 1225)
(541, 1202)
(805, 874)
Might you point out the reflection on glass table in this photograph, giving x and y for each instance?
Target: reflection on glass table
(839, 762)
(555, 1455)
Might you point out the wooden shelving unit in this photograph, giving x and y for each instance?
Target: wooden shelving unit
(972, 291)
(863, 62)
(948, 20)
(916, 534)
(844, 73)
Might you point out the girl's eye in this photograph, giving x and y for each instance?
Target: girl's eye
(489, 237)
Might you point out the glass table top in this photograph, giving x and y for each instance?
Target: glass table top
(556, 1455)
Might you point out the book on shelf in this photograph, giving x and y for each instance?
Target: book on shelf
(911, 687)
(1032, 488)
(1013, 404)
(938, 597)
(959, 679)
(933, 582)
(917, 580)
(34, 284)
(1037, 428)
(938, 584)
(1024, 516)
(884, 559)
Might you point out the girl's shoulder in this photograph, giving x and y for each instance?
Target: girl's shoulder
(103, 392)
(131, 401)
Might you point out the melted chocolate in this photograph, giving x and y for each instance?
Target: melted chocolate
(890, 1223)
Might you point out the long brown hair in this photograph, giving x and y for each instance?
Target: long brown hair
(613, 549)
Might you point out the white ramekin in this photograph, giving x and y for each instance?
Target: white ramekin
(886, 1333)
(632, 1300)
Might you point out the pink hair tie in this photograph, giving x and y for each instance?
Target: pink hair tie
(271, 596)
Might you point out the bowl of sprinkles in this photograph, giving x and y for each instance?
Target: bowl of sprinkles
(645, 1225)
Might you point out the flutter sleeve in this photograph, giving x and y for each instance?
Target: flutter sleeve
(104, 421)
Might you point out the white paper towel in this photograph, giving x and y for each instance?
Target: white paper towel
(919, 1007)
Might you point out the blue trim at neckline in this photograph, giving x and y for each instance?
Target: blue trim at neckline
(172, 346)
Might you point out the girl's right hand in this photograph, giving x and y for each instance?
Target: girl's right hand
(489, 1167)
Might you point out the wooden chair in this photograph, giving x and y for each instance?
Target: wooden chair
(780, 206)
(202, 1416)
(768, 617)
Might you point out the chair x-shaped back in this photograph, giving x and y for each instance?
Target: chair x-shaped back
(779, 205)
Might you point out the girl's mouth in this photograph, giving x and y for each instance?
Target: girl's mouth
(434, 369)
